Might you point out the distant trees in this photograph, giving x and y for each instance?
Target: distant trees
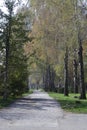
(56, 29)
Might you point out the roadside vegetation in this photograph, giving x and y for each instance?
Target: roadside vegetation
(11, 99)
(70, 103)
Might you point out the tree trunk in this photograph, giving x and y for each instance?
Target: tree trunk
(81, 68)
(66, 92)
(7, 42)
(52, 84)
(6, 64)
(75, 76)
(46, 79)
(49, 79)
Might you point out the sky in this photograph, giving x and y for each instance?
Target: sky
(1, 6)
(4, 9)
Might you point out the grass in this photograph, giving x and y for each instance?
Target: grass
(10, 100)
(70, 103)
(30, 92)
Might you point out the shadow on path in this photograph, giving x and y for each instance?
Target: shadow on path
(24, 108)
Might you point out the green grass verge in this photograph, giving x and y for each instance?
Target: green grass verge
(70, 103)
(5, 103)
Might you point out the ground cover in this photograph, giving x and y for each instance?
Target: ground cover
(72, 103)
(11, 99)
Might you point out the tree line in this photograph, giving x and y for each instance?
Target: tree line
(59, 40)
(48, 36)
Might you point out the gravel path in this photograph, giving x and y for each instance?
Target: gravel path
(40, 112)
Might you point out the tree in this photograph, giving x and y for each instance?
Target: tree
(59, 25)
(15, 36)
(7, 32)
(75, 64)
(66, 91)
(80, 35)
(82, 85)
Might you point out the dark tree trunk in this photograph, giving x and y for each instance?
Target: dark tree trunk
(6, 73)
(46, 79)
(7, 43)
(43, 80)
(75, 76)
(49, 79)
(81, 68)
(52, 84)
(66, 92)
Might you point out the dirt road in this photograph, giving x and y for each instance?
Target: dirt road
(40, 112)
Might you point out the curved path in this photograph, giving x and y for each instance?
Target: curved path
(40, 112)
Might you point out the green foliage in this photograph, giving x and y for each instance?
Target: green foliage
(56, 27)
(11, 99)
(14, 36)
